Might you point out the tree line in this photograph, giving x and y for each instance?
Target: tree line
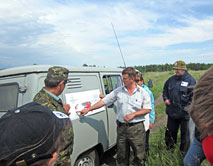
(163, 67)
(169, 67)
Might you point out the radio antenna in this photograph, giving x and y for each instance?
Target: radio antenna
(118, 45)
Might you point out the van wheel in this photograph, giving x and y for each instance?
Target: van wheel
(89, 158)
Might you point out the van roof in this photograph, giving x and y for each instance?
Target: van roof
(44, 69)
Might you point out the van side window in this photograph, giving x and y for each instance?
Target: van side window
(8, 96)
(111, 82)
(116, 82)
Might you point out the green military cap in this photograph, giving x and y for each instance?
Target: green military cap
(57, 73)
(180, 65)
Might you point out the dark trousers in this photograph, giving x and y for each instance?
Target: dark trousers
(172, 130)
(134, 137)
(147, 141)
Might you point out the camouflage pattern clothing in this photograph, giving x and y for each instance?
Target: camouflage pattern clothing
(45, 99)
(57, 73)
(64, 158)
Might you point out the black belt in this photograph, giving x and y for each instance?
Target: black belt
(127, 124)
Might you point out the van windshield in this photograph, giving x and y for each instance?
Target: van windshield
(8, 96)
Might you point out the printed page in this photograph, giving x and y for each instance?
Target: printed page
(81, 100)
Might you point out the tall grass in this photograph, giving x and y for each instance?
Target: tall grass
(159, 155)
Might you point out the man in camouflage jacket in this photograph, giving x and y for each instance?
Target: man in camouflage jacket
(54, 85)
(48, 96)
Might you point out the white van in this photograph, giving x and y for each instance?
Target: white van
(95, 133)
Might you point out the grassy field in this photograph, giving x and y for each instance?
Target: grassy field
(159, 78)
(158, 155)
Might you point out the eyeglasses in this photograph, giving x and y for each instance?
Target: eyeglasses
(137, 81)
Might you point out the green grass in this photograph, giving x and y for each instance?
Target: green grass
(160, 111)
(158, 155)
(159, 78)
(197, 74)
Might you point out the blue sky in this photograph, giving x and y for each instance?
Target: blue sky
(66, 32)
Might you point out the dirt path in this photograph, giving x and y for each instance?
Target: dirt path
(159, 100)
(161, 121)
(158, 124)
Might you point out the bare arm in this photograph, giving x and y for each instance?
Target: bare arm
(135, 114)
(97, 105)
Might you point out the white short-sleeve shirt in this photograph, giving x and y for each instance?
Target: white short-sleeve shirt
(127, 104)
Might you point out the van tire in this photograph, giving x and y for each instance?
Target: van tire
(89, 158)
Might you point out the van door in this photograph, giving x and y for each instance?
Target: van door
(110, 82)
(11, 92)
(90, 131)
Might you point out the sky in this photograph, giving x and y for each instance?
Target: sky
(68, 32)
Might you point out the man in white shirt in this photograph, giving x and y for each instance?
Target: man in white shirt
(133, 103)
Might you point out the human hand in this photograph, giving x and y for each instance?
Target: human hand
(83, 112)
(151, 125)
(167, 102)
(101, 96)
(67, 108)
(129, 117)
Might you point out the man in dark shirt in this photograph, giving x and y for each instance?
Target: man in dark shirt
(177, 95)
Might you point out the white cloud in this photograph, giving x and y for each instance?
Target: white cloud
(83, 30)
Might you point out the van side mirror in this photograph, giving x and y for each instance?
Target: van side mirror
(150, 85)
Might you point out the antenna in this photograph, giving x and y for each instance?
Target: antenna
(118, 45)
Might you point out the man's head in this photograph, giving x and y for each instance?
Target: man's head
(128, 75)
(55, 75)
(56, 79)
(179, 67)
